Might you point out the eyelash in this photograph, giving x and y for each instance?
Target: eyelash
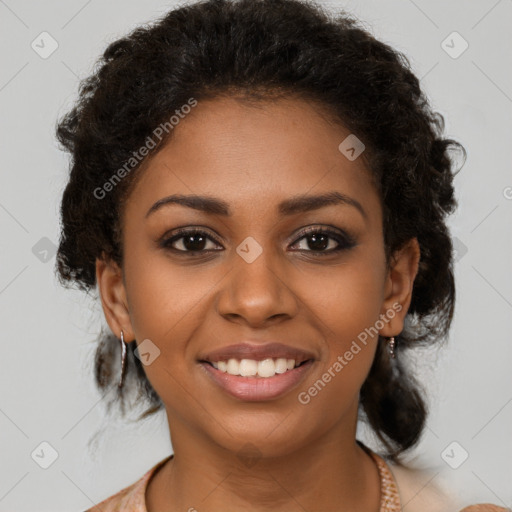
(345, 241)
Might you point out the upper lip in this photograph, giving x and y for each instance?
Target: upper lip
(257, 352)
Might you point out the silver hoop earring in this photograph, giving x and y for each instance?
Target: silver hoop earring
(123, 359)
(391, 344)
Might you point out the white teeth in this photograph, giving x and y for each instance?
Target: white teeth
(266, 368)
(281, 365)
(233, 367)
(250, 367)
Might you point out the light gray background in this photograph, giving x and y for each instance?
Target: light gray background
(46, 381)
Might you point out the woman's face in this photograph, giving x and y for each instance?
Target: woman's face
(255, 278)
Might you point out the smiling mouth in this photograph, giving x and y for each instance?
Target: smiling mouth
(251, 380)
(265, 368)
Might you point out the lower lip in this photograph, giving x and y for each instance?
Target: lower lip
(253, 389)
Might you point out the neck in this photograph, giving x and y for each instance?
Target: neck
(325, 473)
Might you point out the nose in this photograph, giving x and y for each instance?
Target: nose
(257, 293)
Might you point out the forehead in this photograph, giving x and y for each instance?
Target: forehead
(252, 155)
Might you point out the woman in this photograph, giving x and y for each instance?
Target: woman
(259, 192)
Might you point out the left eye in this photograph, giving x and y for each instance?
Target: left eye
(319, 241)
(192, 240)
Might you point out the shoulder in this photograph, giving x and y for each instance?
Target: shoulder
(130, 498)
(421, 491)
(121, 500)
(484, 507)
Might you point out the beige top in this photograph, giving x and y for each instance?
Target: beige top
(132, 498)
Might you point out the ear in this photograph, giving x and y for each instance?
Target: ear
(113, 298)
(398, 287)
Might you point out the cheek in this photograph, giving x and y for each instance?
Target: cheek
(348, 300)
(161, 295)
(162, 309)
(164, 300)
(348, 308)
(347, 312)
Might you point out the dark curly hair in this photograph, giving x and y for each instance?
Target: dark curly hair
(259, 50)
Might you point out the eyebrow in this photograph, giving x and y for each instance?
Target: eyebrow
(294, 205)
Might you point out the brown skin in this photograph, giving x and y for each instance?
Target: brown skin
(254, 158)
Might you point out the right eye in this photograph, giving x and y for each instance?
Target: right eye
(191, 240)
